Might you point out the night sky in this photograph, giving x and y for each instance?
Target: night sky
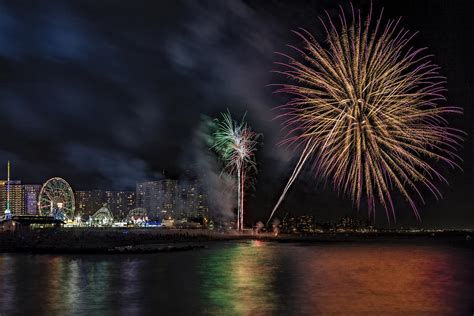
(107, 93)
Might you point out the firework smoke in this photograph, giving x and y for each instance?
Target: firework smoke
(364, 108)
(220, 187)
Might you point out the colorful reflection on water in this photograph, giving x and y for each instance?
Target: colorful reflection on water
(240, 280)
(246, 278)
(379, 280)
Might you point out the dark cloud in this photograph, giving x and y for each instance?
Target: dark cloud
(115, 169)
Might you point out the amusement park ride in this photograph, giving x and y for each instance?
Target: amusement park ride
(56, 199)
(55, 203)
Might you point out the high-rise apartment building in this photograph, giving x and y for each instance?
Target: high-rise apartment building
(120, 202)
(17, 200)
(149, 195)
(31, 193)
(89, 202)
(171, 198)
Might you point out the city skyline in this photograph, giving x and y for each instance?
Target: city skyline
(166, 198)
(24, 197)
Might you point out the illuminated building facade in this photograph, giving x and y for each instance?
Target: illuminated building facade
(31, 193)
(89, 202)
(149, 196)
(171, 198)
(202, 204)
(303, 223)
(191, 201)
(120, 202)
(17, 201)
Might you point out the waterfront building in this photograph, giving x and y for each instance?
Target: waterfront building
(303, 223)
(120, 203)
(157, 197)
(149, 196)
(191, 201)
(17, 201)
(186, 201)
(202, 204)
(31, 193)
(88, 202)
(171, 198)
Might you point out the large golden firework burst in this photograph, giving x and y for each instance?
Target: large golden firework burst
(364, 106)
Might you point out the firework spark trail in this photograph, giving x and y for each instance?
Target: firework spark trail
(304, 156)
(366, 110)
(236, 145)
(307, 151)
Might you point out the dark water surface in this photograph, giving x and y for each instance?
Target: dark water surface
(245, 278)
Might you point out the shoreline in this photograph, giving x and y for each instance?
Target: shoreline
(142, 241)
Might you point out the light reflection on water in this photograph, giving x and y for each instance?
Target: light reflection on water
(373, 279)
(245, 278)
(240, 280)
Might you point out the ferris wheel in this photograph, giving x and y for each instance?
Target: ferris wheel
(56, 199)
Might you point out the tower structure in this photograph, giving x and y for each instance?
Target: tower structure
(8, 213)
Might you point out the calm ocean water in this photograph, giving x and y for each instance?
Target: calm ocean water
(245, 278)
